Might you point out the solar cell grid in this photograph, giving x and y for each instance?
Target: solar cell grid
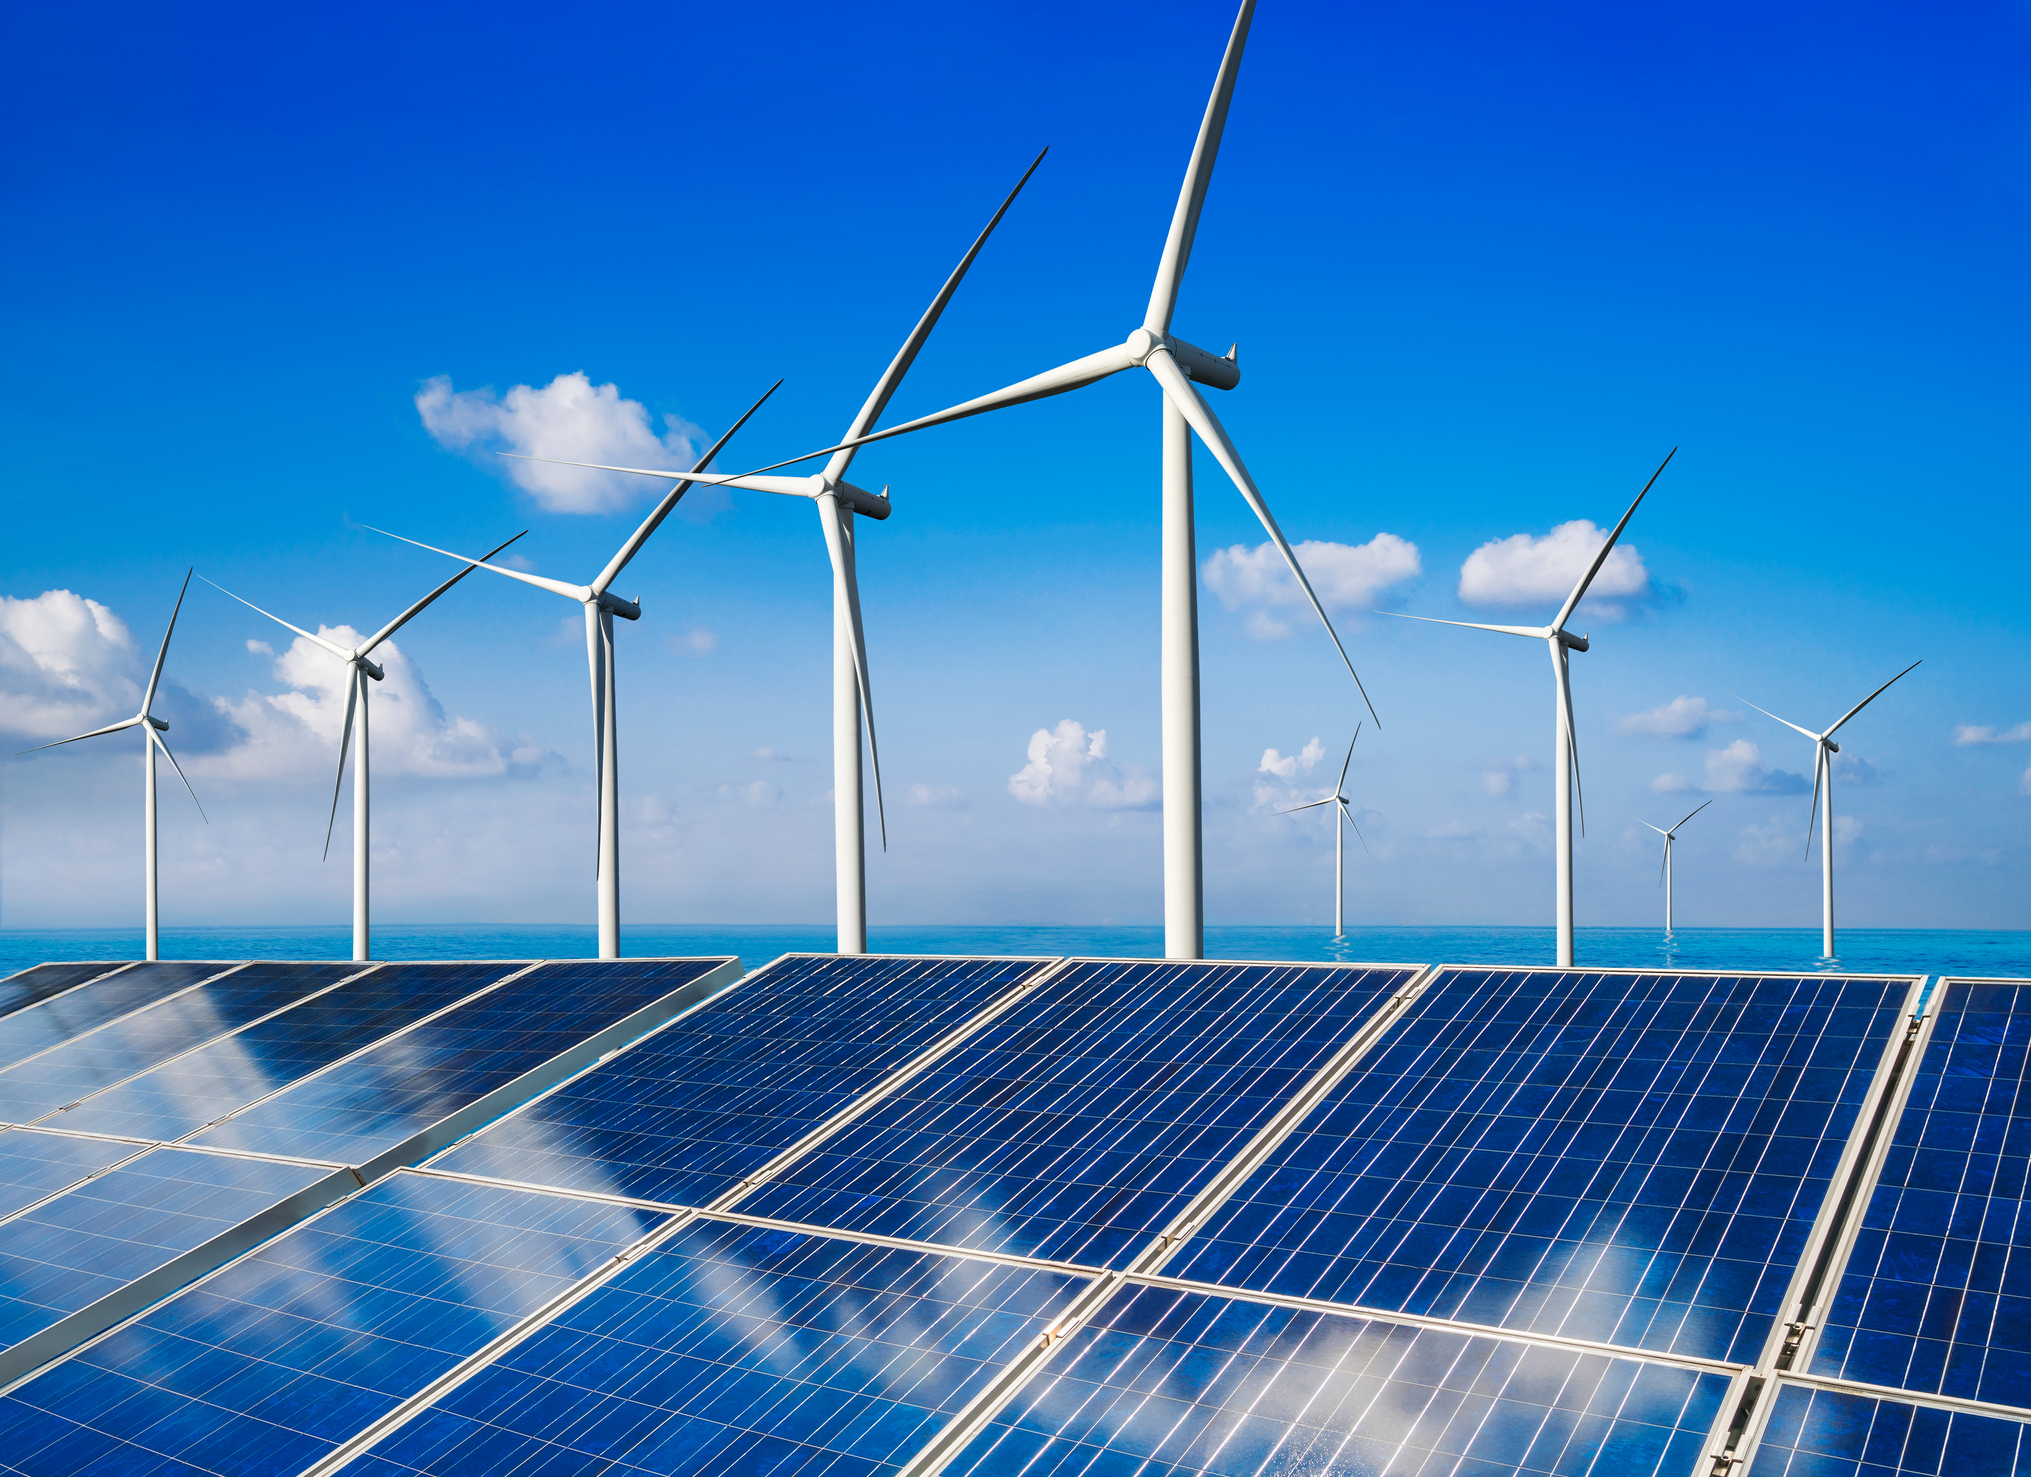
(34, 1166)
(1074, 1127)
(1936, 1296)
(383, 1096)
(709, 1099)
(1163, 1380)
(734, 1349)
(33, 985)
(65, 1074)
(1627, 1158)
(184, 1095)
(28, 1031)
(1824, 1433)
(270, 1364)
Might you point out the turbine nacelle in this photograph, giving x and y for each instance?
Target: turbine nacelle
(1570, 641)
(606, 600)
(160, 725)
(372, 669)
(1201, 367)
(852, 499)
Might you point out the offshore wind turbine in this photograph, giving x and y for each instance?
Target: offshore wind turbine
(1178, 368)
(152, 729)
(1338, 800)
(1824, 748)
(601, 606)
(358, 670)
(837, 501)
(1566, 766)
(1664, 873)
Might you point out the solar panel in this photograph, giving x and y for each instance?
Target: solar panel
(87, 1064)
(709, 1099)
(737, 1349)
(35, 1165)
(196, 1089)
(269, 1364)
(1632, 1158)
(1078, 1124)
(1934, 1298)
(1165, 1380)
(74, 1012)
(1828, 1433)
(33, 985)
(551, 1021)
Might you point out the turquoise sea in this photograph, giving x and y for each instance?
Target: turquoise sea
(1994, 952)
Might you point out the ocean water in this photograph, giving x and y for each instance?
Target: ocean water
(1993, 952)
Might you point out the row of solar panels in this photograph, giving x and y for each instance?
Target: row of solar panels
(879, 1214)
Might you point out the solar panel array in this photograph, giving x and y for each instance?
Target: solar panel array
(863, 1215)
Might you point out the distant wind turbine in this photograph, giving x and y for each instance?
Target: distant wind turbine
(1338, 799)
(358, 670)
(1824, 749)
(837, 501)
(152, 729)
(1565, 775)
(1178, 368)
(1664, 874)
(601, 606)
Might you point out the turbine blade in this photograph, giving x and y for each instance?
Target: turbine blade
(1562, 671)
(1183, 394)
(1666, 861)
(597, 668)
(1308, 805)
(1690, 814)
(1870, 699)
(1659, 829)
(109, 728)
(1818, 767)
(1348, 816)
(1806, 732)
(1163, 297)
(665, 474)
(417, 609)
(1342, 784)
(662, 510)
(155, 676)
(885, 387)
(353, 675)
(1566, 610)
(846, 594)
(331, 646)
(179, 772)
(556, 587)
(1536, 633)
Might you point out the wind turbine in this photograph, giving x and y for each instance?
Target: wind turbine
(1824, 749)
(1341, 813)
(1566, 767)
(1664, 874)
(837, 501)
(358, 670)
(152, 729)
(1178, 368)
(601, 606)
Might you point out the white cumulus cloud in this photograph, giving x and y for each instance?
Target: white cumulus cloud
(1345, 576)
(1522, 570)
(1068, 764)
(1969, 733)
(1682, 717)
(67, 664)
(571, 419)
(1739, 770)
(935, 797)
(1287, 766)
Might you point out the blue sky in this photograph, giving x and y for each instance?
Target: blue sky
(1485, 266)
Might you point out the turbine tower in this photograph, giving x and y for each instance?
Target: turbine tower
(1566, 765)
(837, 501)
(601, 606)
(1664, 873)
(152, 729)
(1338, 800)
(1179, 368)
(1824, 749)
(358, 670)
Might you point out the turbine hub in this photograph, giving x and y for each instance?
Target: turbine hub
(1201, 367)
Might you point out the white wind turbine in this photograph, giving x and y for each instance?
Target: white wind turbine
(1565, 768)
(837, 501)
(1178, 367)
(1824, 749)
(1338, 800)
(601, 606)
(152, 729)
(358, 670)
(1664, 873)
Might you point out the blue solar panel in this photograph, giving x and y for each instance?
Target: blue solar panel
(736, 1350)
(202, 1086)
(35, 1165)
(708, 1100)
(95, 1239)
(1818, 1433)
(34, 985)
(392, 1091)
(268, 1365)
(27, 1031)
(1163, 1380)
(1078, 1124)
(29, 1090)
(1635, 1159)
(1937, 1292)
